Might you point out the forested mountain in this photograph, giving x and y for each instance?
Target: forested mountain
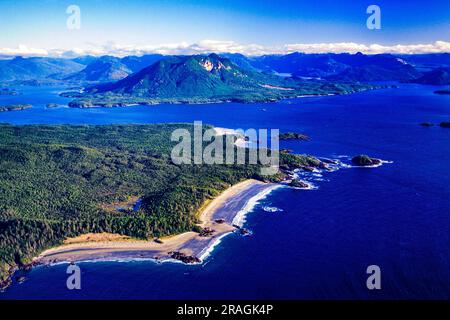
(103, 69)
(36, 68)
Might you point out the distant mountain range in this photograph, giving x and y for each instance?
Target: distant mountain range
(439, 76)
(203, 78)
(342, 67)
(332, 67)
(36, 68)
(86, 68)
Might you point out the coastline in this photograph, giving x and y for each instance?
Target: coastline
(235, 201)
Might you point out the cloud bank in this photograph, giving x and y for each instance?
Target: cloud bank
(208, 46)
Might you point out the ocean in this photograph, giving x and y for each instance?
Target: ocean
(320, 242)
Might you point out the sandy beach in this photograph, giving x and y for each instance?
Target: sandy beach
(231, 206)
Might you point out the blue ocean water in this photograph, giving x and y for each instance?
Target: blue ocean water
(396, 216)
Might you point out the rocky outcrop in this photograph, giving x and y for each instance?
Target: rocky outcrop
(298, 184)
(183, 257)
(365, 161)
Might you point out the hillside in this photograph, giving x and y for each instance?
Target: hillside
(63, 181)
(202, 78)
(439, 76)
(103, 69)
(342, 67)
(135, 63)
(60, 181)
(36, 68)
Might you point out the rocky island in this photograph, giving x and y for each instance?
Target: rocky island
(15, 107)
(443, 91)
(293, 136)
(365, 161)
(8, 92)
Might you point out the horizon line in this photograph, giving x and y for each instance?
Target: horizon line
(231, 47)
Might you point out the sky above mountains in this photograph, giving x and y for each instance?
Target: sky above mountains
(196, 26)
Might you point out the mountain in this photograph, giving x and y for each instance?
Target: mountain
(246, 63)
(37, 68)
(439, 76)
(135, 63)
(342, 67)
(103, 69)
(202, 79)
(303, 65)
(381, 67)
(85, 60)
(428, 61)
(187, 76)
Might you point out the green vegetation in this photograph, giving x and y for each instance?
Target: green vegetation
(57, 182)
(203, 79)
(15, 107)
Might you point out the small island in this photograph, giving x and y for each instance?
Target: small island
(53, 105)
(293, 136)
(365, 161)
(8, 92)
(15, 107)
(443, 91)
(445, 124)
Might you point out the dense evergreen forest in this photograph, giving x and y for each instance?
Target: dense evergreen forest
(56, 180)
(59, 181)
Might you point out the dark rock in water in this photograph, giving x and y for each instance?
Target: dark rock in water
(445, 125)
(53, 105)
(206, 232)
(327, 161)
(184, 258)
(298, 184)
(445, 91)
(285, 151)
(426, 124)
(364, 160)
(294, 136)
(243, 232)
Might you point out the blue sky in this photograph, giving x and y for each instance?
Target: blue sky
(112, 24)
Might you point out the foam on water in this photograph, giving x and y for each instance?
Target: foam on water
(205, 253)
(271, 209)
(239, 219)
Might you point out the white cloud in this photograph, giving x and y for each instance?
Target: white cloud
(23, 50)
(207, 46)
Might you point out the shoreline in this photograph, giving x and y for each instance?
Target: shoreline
(239, 199)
